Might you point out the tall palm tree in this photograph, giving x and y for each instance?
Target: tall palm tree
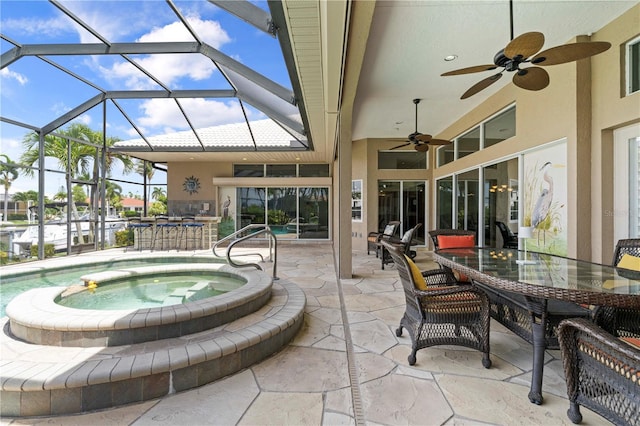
(145, 169)
(158, 193)
(80, 159)
(8, 173)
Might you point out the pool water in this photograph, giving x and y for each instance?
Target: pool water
(11, 286)
(153, 290)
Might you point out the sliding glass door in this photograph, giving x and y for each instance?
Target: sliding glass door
(404, 201)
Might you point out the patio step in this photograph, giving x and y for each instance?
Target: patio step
(38, 381)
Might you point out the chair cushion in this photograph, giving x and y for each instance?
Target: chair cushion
(389, 230)
(633, 341)
(628, 261)
(456, 241)
(418, 279)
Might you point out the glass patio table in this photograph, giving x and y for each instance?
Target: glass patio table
(541, 278)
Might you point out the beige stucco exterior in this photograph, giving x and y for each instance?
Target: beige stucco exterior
(583, 103)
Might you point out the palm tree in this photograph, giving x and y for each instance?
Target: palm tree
(8, 173)
(112, 193)
(145, 169)
(80, 159)
(158, 193)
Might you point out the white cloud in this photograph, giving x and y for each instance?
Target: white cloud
(7, 73)
(162, 113)
(170, 68)
(46, 28)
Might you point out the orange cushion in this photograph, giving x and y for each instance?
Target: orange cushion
(633, 341)
(456, 241)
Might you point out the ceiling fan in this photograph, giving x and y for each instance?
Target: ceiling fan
(421, 141)
(519, 51)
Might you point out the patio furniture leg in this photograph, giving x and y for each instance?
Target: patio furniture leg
(538, 326)
(574, 413)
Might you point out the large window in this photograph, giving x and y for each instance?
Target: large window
(290, 212)
(491, 131)
(280, 170)
(467, 208)
(633, 66)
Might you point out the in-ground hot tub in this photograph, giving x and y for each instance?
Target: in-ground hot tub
(36, 316)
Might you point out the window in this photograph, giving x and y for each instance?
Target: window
(313, 170)
(444, 203)
(356, 200)
(248, 170)
(281, 170)
(633, 66)
(408, 159)
(498, 128)
(469, 143)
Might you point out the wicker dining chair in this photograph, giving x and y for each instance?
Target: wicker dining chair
(373, 239)
(439, 311)
(621, 322)
(602, 372)
(404, 243)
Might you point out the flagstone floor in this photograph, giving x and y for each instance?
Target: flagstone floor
(347, 367)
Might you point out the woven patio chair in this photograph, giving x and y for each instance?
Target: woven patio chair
(602, 372)
(434, 234)
(622, 322)
(373, 239)
(404, 243)
(439, 311)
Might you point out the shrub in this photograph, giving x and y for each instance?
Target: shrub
(16, 216)
(4, 258)
(124, 238)
(131, 213)
(49, 250)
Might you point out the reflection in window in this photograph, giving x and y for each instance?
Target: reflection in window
(408, 159)
(313, 170)
(500, 127)
(388, 203)
(445, 154)
(468, 200)
(468, 143)
(281, 170)
(356, 200)
(313, 213)
(248, 170)
(290, 212)
(500, 183)
(444, 203)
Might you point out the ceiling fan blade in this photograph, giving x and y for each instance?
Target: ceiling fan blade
(570, 52)
(482, 84)
(423, 147)
(532, 78)
(524, 45)
(400, 146)
(469, 70)
(439, 142)
(423, 138)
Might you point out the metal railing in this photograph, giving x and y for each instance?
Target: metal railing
(262, 229)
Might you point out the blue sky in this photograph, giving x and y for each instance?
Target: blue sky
(34, 92)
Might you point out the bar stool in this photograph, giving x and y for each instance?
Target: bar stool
(190, 226)
(138, 226)
(165, 228)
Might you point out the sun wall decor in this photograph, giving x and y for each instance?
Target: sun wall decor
(191, 184)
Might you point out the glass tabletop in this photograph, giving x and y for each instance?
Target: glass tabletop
(544, 270)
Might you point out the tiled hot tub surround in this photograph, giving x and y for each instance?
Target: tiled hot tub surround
(35, 317)
(69, 380)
